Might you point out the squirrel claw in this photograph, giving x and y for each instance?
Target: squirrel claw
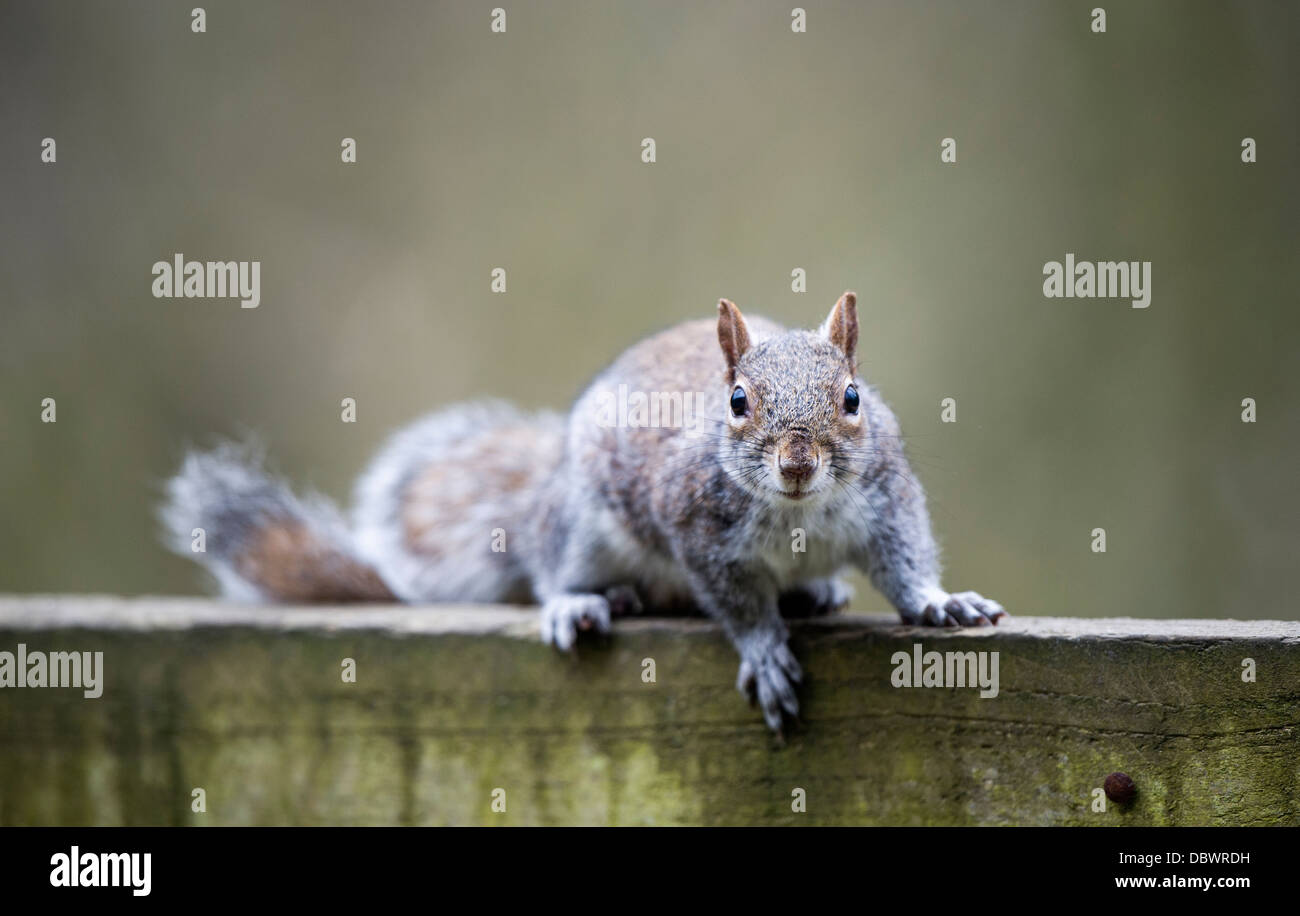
(960, 609)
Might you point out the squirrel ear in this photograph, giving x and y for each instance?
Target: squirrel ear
(733, 335)
(841, 327)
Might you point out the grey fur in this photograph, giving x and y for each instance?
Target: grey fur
(467, 569)
(596, 516)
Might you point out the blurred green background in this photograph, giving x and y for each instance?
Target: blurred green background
(775, 151)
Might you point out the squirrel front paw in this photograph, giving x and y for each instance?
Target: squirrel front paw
(959, 609)
(768, 674)
(564, 616)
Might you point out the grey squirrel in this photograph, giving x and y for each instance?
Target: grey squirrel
(791, 470)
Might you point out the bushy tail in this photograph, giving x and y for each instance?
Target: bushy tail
(261, 541)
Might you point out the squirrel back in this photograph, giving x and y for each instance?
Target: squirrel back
(483, 502)
(435, 515)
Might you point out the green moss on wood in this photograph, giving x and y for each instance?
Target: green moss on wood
(259, 717)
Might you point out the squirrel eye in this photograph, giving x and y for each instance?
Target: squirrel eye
(851, 399)
(739, 403)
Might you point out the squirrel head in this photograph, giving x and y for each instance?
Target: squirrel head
(795, 407)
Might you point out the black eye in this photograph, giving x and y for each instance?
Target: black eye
(851, 399)
(739, 403)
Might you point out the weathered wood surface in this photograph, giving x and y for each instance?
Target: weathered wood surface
(452, 703)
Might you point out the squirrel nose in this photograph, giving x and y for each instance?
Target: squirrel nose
(797, 459)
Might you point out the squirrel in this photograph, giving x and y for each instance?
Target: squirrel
(790, 471)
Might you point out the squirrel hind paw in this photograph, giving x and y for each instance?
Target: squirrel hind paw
(623, 601)
(565, 616)
(816, 598)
